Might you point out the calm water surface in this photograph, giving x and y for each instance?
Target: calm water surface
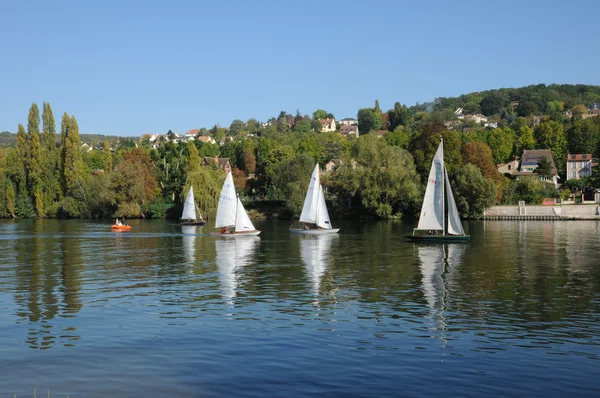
(165, 311)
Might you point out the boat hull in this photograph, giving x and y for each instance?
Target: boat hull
(121, 227)
(234, 234)
(314, 231)
(439, 238)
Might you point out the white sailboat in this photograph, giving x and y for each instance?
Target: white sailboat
(188, 217)
(231, 213)
(432, 226)
(314, 211)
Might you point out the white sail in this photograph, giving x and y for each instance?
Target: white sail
(432, 212)
(454, 224)
(323, 220)
(242, 221)
(231, 255)
(227, 204)
(309, 210)
(189, 207)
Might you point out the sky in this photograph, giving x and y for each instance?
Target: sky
(134, 67)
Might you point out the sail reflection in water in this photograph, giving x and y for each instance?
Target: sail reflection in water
(189, 245)
(315, 252)
(438, 265)
(231, 255)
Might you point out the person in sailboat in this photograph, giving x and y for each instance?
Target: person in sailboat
(225, 230)
(123, 221)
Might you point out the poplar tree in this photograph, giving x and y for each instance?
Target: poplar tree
(48, 129)
(106, 157)
(34, 168)
(20, 174)
(73, 169)
(10, 198)
(65, 126)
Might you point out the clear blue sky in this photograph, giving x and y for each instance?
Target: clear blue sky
(135, 67)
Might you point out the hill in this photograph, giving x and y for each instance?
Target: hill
(8, 139)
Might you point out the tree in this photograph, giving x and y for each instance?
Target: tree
(480, 155)
(135, 183)
(551, 135)
(473, 193)
(236, 127)
(106, 157)
(193, 163)
(19, 165)
(10, 198)
(368, 120)
(492, 103)
(583, 137)
(399, 116)
(525, 139)
(34, 168)
(73, 160)
(383, 178)
(501, 141)
(48, 129)
(249, 161)
(319, 114)
(545, 168)
(291, 179)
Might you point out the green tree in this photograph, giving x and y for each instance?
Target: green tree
(399, 116)
(194, 163)
(320, 114)
(368, 120)
(473, 193)
(19, 165)
(545, 168)
(525, 139)
(106, 157)
(551, 135)
(501, 141)
(34, 167)
(382, 178)
(135, 183)
(291, 179)
(73, 159)
(10, 198)
(48, 129)
(583, 136)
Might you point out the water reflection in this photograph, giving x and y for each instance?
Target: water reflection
(438, 265)
(189, 245)
(232, 254)
(48, 285)
(315, 252)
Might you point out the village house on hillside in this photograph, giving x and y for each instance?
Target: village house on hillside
(222, 163)
(327, 124)
(347, 131)
(529, 162)
(348, 121)
(579, 166)
(206, 139)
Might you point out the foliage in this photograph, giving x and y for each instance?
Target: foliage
(291, 180)
(368, 120)
(551, 135)
(472, 192)
(545, 168)
(134, 182)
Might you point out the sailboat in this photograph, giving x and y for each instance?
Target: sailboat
(231, 213)
(188, 217)
(432, 226)
(314, 211)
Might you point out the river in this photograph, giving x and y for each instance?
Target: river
(167, 311)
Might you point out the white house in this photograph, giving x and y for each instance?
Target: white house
(476, 118)
(348, 121)
(579, 166)
(327, 124)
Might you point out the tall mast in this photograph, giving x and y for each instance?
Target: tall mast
(443, 186)
(236, 208)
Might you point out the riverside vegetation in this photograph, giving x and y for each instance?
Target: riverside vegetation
(378, 174)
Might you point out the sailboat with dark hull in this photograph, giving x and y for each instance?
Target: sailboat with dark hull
(432, 222)
(188, 217)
